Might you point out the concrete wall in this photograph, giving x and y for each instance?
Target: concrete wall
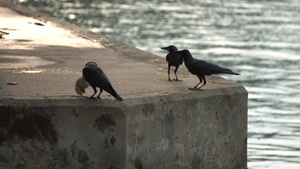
(189, 130)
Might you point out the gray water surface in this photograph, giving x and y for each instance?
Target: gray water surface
(258, 38)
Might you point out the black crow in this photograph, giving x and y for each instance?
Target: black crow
(173, 59)
(96, 78)
(201, 68)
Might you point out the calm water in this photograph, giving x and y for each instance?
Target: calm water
(258, 38)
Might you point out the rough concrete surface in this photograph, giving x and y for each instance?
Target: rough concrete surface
(160, 124)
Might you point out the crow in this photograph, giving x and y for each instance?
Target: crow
(173, 59)
(200, 68)
(97, 78)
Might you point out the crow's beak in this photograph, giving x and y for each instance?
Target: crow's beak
(164, 48)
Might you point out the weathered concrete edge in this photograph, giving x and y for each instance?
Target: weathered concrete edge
(125, 49)
(65, 101)
(234, 96)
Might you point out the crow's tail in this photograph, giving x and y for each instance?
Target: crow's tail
(229, 71)
(112, 91)
(118, 97)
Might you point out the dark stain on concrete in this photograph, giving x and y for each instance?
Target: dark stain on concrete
(217, 115)
(169, 120)
(112, 140)
(138, 164)
(83, 157)
(74, 112)
(141, 138)
(23, 124)
(105, 123)
(113, 166)
(109, 142)
(106, 143)
(74, 148)
(4, 160)
(196, 162)
(228, 100)
(148, 110)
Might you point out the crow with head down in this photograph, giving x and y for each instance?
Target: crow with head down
(97, 78)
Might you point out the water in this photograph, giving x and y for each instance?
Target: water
(258, 38)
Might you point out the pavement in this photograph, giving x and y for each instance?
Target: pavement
(41, 57)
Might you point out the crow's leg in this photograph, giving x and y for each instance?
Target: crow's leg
(95, 91)
(169, 72)
(204, 83)
(176, 74)
(195, 87)
(100, 93)
(201, 77)
(197, 84)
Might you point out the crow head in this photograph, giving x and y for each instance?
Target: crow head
(170, 48)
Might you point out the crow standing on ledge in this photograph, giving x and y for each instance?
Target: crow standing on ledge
(96, 78)
(201, 68)
(173, 59)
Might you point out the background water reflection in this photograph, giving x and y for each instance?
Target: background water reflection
(258, 38)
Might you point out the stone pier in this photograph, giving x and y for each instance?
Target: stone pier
(160, 124)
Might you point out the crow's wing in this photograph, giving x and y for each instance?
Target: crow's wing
(203, 67)
(174, 59)
(95, 76)
(168, 57)
(209, 68)
(180, 59)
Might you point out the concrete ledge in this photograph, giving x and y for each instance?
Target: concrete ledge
(185, 130)
(160, 124)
